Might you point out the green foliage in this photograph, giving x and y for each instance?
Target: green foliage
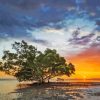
(27, 63)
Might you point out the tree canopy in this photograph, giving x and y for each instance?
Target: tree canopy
(28, 63)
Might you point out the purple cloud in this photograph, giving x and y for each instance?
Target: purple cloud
(83, 40)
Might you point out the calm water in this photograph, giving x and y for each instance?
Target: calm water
(11, 90)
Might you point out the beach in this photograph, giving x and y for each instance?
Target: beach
(12, 90)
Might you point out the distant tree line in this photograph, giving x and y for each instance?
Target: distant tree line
(28, 64)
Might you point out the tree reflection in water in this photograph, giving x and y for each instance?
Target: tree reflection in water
(48, 92)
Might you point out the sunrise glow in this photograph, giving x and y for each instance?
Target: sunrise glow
(72, 27)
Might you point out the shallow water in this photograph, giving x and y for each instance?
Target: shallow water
(11, 90)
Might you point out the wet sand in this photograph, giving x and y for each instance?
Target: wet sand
(12, 90)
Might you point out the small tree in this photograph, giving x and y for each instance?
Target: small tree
(27, 63)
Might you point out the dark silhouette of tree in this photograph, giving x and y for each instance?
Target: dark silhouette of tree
(27, 63)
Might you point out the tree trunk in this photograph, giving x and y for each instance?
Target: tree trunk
(41, 81)
(48, 81)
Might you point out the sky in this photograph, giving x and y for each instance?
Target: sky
(72, 27)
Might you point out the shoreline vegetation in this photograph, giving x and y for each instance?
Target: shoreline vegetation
(27, 63)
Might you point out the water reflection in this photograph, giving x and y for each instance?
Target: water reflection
(48, 93)
(10, 90)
